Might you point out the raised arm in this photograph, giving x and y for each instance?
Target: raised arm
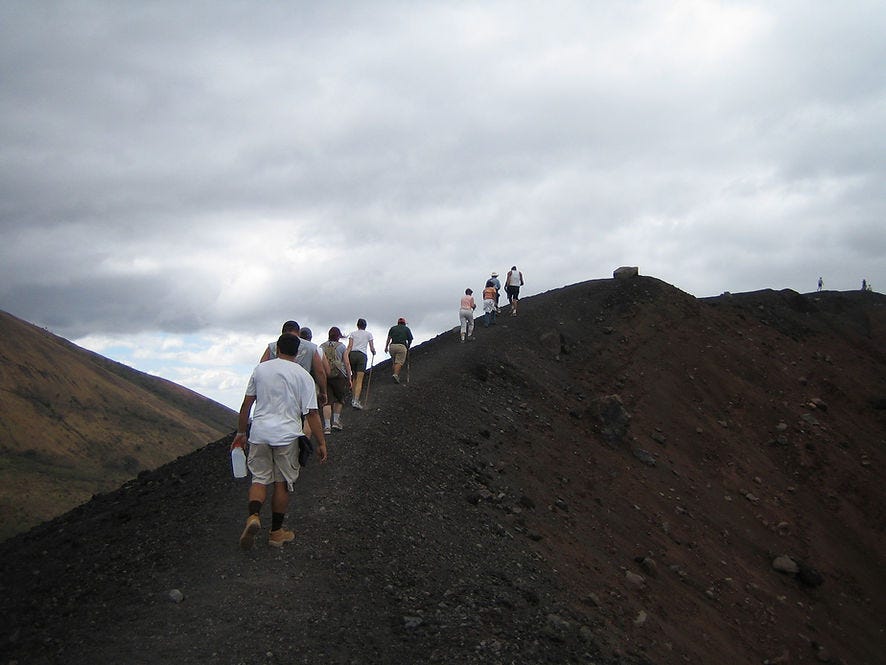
(318, 365)
(347, 363)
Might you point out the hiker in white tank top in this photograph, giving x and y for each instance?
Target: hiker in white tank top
(512, 287)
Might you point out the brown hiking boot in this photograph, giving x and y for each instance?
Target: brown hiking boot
(253, 526)
(280, 536)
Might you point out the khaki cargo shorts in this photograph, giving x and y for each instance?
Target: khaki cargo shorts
(398, 353)
(273, 464)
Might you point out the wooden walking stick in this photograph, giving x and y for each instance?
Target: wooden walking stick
(368, 380)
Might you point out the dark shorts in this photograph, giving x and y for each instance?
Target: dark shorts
(513, 292)
(338, 388)
(358, 361)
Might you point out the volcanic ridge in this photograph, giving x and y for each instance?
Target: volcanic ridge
(622, 473)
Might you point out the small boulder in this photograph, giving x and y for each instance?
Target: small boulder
(648, 565)
(634, 580)
(808, 576)
(785, 564)
(613, 418)
(626, 272)
(644, 456)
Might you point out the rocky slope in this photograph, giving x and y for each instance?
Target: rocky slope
(620, 474)
(73, 423)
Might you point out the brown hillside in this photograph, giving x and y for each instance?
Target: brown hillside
(73, 423)
(606, 478)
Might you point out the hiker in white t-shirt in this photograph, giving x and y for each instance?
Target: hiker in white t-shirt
(359, 342)
(283, 393)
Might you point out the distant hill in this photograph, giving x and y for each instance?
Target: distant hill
(73, 423)
(622, 474)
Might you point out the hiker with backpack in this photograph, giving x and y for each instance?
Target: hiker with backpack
(490, 297)
(399, 340)
(513, 282)
(283, 393)
(494, 280)
(358, 342)
(338, 381)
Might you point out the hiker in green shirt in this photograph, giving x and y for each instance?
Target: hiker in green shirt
(397, 344)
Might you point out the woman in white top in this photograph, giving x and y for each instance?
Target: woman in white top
(358, 342)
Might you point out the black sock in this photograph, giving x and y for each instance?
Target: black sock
(254, 507)
(277, 521)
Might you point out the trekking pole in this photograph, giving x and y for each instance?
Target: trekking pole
(408, 363)
(369, 380)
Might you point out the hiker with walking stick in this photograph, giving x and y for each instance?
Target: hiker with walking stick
(397, 344)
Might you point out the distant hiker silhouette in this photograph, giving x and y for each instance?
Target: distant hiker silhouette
(282, 392)
(399, 340)
(358, 342)
(820, 283)
(466, 309)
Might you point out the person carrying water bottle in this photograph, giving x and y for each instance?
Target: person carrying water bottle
(282, 392)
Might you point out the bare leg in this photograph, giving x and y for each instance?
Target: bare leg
(258, 492)
(327, 416)
(358, 385)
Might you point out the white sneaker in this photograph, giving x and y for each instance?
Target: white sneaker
(357, 405)
(337, 427)
(327, 430)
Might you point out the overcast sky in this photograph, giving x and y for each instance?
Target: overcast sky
(179, 178)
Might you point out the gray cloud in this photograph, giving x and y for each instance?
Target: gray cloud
(185, 167)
